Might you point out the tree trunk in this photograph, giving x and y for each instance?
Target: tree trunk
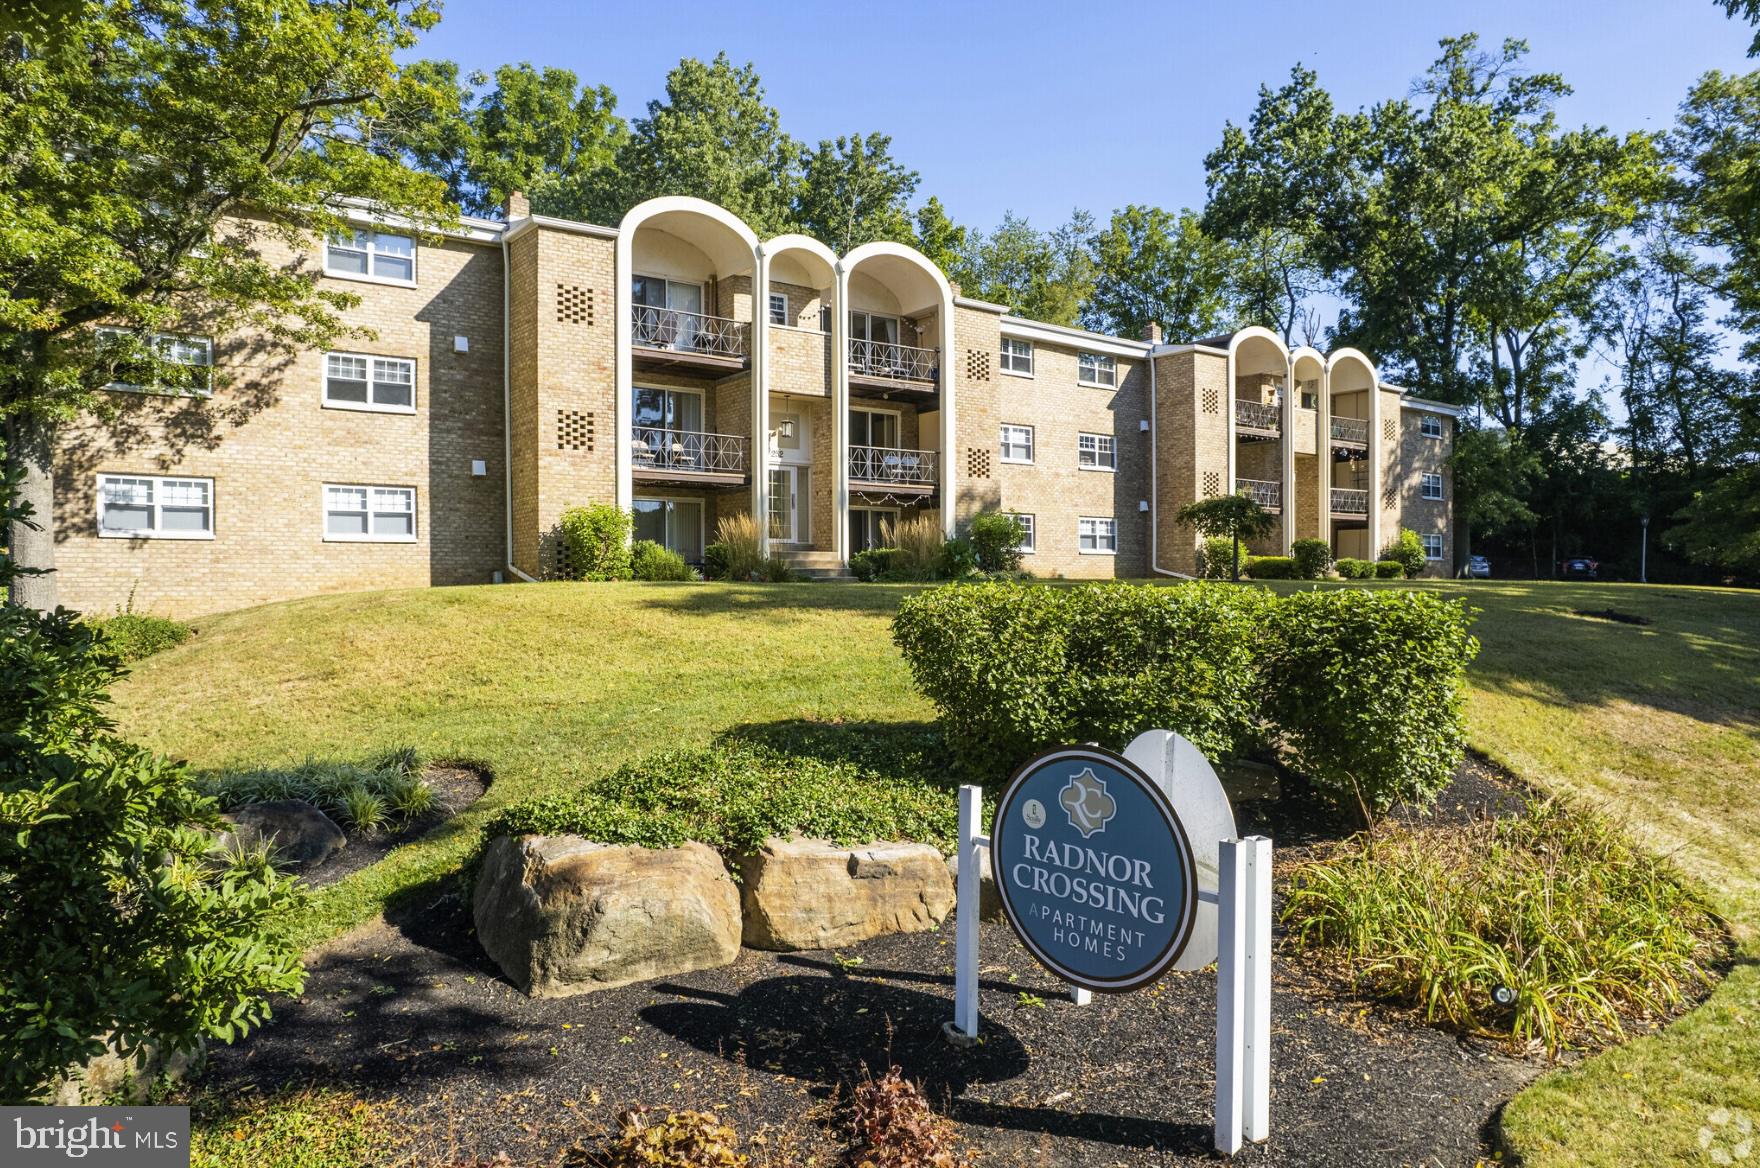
(30, 445)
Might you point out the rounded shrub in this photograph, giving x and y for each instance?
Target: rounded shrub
(715, 561)
(1354, 569)
(1214, 555)
(651, 561)
(595, 542)
(1406, 550)
(959, 559)
(874, 564)
(1313, 558)
(1389, 570)
(996, 539)
(1271, 567)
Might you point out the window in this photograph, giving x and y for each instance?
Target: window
(873, 428)
(1430, 426)
(1310, 394)
(1096, 452)
(1017, 443)
(1095, 369)
(193, 355)
(778, 308)
(875, 328)
(671, 523)
(370, 514)
(153, 507)
(1096, 537)
(356, 381)
(1432, 486)
(1017, 357)
(371, 255)
(1432, 546)
(1028, 543)
(870, 527)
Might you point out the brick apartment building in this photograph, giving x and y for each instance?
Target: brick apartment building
(686, 370)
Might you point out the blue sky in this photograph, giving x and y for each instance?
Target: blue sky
(1041, 107)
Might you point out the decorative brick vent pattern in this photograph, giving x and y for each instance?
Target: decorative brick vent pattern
(1390, 496)
(1387, 429)
(574, 304)
(1212, 400)
(977, 365)
(1212, 484)
(977, 463)
(574, 430)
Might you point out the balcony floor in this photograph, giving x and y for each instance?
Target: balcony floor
(703, 479)
(663, 360)
(896, 490)
(902, 388)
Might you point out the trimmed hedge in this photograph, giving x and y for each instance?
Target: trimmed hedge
(1014, 669)
(1354, 569)
(874, 563)
(1389, 570)
(1271, 567)
(1313, 558)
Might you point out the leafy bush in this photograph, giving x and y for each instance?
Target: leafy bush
(873, 564)
(893, 1126)
(1553, 904)
(736, 794)
(745, 551)
(1389, 570)
(1214, 556)
(1313, 558)
(715, 561)
(361, 795)
(1271, 567)
(1407, 550)
(1366, 689)
(679, 1139)
(117, 922)
(652, 561)
(1354, 569)
(1015, 669)
(958, 560)
(595, 542)
(134, 635)
(996, 538)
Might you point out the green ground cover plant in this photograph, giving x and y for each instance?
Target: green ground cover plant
(366, 795)
(135, 635)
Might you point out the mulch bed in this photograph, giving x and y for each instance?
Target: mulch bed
(410, 1009)
(455, 788)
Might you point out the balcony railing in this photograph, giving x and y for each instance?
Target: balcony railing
(894, 362)
(653, 448)
(1257, 415)
(686, 332)
(1346, 501)
(1267, 495)
(890, 464)
(1350, 430)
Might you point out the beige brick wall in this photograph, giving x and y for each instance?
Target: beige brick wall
(1414, 456)
(269, 444)
(800, 362)
(973, 365)
(1191, 396)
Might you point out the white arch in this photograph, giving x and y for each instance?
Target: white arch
(797, 242)
(1335, 361)
(1256, 332)
(1322, 449)
(1236, 342)
(942, 293)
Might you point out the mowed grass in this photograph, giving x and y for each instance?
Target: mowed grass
(547, 685)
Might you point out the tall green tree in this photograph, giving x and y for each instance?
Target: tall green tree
(943, 241)
(153, 156)
(852, 191)
(1047, 276)
(1155, 267)
(715, 137)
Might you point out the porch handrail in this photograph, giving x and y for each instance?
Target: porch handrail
(1257, 414)
(1266, 494)
(659, 448)
(891, 464)
(689, 332)
(1349, 501)
(898, 362)
(1351, 430)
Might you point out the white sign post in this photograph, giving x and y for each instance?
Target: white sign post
(1234, 885)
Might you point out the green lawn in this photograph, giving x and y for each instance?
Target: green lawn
(1660, 724)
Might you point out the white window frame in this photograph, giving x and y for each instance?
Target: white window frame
(1031, 444)
(1091, 527)
(1105, 370)
(368, 406)
(156, 487)
(1430, 426)
(368, 536)
(779, 309)
(1430, 486)
(167, 340)
(1435, 540)
(1030, 543)
(1014, 352)
(371, 250)
(1096, 444)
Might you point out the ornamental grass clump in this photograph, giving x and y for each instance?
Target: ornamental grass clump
(366, 795)
(1581, 931)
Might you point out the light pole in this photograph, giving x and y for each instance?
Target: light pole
(1644, 550)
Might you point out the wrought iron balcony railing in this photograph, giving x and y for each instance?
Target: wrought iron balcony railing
(897, 362)
(890, 464)
(686, 332)
(653, 448)
(1350, 430)
(1265, 494)
(1346, 501)
(1257, 415)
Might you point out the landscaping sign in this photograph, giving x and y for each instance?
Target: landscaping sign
(1094, 869)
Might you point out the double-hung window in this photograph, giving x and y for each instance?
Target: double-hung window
(1017, 357)
(1097, 369)
(173, 364)
(371, 255)
(1430, 426)
(1017, 443)
(1029, 530)
(1096, 452)
(1432, 546)
(358, 381)
(1096, 536)
(155, 507)
(369, 514)
(778, 308)
(1432, 485)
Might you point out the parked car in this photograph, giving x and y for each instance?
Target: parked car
(1478, 568)
(1579, 568)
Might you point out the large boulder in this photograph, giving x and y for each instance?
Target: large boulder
(811, 894)
(562, 915)
(301, 833)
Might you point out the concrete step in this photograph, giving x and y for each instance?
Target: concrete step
(808, 558)
(837, 574)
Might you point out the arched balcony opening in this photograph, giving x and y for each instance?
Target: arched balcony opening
(1351, 385)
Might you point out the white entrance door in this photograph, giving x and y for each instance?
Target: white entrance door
(788, 503)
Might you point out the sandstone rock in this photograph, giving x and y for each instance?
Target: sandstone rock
(811, 894)
(989, 900)
(301, 833)
(109, 1076)
(562, 915)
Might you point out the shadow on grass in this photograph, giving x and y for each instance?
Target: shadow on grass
(779, 604)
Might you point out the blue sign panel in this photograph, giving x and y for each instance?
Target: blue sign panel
(1095, 870)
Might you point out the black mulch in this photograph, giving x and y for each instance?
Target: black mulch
(455, 788)
(410, 1009)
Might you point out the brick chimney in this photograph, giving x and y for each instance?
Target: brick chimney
(518, 206)
(1152, 332)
